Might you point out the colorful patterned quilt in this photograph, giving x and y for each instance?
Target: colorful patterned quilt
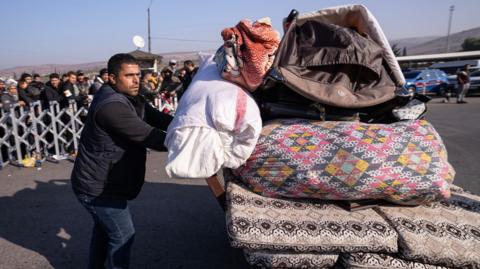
(404, 162)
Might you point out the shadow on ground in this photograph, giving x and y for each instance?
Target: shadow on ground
(178, 226)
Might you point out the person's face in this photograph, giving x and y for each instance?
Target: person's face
(80, 78)
(72, 79)
(28, 80)
(55, 82)
(23, 85)
(168, 74)
(12, 90)
(2, 85)
(105, 77)
(182, 73)
(190, 67)
(38, 79)
(128, 79)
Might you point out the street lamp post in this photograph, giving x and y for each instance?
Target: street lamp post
(452, 8)
(149, 41)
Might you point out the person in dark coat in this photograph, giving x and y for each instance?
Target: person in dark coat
(51, 92)
(109, 169)
(26, 93)
(99, 80)
(70, 91)
(146, 87)
(191, 70)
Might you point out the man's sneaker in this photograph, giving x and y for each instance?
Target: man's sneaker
(462, 102)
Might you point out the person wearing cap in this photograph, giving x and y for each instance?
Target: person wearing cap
(10, 97)
(83, 87)
(99, 80)
(170, 82)
(173, 65)
(37, 78)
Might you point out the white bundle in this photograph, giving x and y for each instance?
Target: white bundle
(217, 124)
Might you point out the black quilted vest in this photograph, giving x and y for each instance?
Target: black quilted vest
(108, 165)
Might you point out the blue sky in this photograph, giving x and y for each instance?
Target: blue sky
(73, 31)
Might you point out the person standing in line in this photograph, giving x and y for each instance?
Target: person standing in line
(51, 91)
(109, 169)
(99, 80)
(463, 83)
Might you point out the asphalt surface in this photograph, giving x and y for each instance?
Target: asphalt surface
(178, 222)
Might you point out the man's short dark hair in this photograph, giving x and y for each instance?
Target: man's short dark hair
(53, 75)
(115, 63)
(25, 75)
(103, 71)
(71, 73)
(188, 63)
(36, 75)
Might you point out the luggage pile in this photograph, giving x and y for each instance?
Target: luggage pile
(299, 233)
(346, 173)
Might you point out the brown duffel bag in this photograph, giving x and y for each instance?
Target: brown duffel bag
(337, 57)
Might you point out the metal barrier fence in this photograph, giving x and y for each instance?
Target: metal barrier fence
(50, 134)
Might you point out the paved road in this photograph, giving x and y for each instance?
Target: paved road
(179, 224)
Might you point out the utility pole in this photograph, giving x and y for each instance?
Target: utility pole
(452, 8)
(149, 41)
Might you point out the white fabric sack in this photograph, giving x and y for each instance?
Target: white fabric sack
(216, 124)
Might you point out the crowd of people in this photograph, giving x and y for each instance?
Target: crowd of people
(170, 82)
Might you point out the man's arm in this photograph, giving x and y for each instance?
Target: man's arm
(156, 118)
(117, 118)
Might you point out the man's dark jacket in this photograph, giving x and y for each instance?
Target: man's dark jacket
(50, 94)
(112, 150)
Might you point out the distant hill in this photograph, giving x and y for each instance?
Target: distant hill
(49, 68)
(93, 67)
(411, 42)
(439, 45)
(415, 46)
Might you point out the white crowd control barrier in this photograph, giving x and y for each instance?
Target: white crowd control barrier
(47, 134)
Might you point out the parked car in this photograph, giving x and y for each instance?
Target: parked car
(428, 81)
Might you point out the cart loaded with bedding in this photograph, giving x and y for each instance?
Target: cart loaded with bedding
(325, 163)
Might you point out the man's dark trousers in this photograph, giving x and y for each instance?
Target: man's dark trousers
(113, 232)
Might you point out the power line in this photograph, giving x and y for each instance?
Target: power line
(187, 40)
